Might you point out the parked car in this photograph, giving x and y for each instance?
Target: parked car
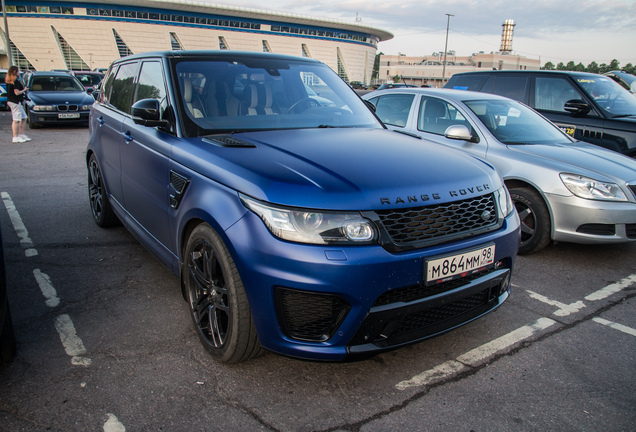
(89, 79)
(394, 85)
(358, 85)
(7, 336)
(310, 231)
(625, 79)
(588, 107)
(56, 98)
(564, 190)
(3, 89)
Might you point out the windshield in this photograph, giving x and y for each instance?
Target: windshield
(55, 83)
(514, 123)
(610, 96)
(226, 95)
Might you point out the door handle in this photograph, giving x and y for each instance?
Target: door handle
(128, 137)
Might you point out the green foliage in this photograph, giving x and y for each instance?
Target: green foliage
(592, 67)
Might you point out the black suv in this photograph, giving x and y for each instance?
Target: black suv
(588, 107)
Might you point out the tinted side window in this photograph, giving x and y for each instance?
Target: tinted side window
(552, 93)
(107, 86)
(513, 87)
(393, 109)
(151, 84)
(437, 115)
(467, 82)
(123, 86)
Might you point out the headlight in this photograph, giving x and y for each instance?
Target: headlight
(44, 108)
(86, 107)
(585, 187)
(504, 201)
(313, 226)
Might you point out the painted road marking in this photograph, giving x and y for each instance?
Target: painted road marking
(612, 289)
(72, 343)
(18, 225)
(47, 288)
(615, 326)
(478, 355)
(113, 424)
(564, 309)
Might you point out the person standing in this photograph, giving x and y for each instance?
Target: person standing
(15, 96)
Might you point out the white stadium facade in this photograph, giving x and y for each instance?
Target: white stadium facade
(90, 34)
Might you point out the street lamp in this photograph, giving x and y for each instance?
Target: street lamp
(446, 47)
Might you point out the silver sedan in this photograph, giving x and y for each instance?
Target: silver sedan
(564, 190)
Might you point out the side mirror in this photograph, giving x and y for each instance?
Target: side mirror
(577, 107)
(461, 133)
(369, 105)
(147, 112)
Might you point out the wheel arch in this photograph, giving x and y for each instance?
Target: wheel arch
(518, 183)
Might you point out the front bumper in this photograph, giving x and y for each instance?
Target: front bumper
(54, 117)
(331, 303)
(578, 220)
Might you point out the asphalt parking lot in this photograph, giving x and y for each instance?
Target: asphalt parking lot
(105, 341)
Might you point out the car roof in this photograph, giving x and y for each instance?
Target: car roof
(528, 72)
(193, 54)
(457, 95)
(50, 73)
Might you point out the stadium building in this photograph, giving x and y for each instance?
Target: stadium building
(91, 34)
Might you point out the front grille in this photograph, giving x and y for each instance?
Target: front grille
(65, 108)
(434, 224)
(421, 320)
(309, 316)
(416, 292)
(597, 229)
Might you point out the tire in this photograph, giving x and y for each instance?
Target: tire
(218, 304)
(100, 206)
(7, 340)
(535, 220)
(32, 124)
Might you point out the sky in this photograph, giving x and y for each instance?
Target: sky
(554, 31)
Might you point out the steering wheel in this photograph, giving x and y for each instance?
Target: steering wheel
(310, 103)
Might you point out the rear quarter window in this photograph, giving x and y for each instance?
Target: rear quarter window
(467, 82)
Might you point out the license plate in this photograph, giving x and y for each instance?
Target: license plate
(68, 115)
(460, 265)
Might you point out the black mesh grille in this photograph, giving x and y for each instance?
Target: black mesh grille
(228, 141)
(309, 316)
(420, 320)
(416, 292)
(425, 224)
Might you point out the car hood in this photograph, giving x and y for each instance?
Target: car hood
(58, 98)
(584, 159)
(340, 169)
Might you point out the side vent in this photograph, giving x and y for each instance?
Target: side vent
(178, 185)
(228, 141)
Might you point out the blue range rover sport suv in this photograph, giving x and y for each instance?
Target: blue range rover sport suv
(303, 228)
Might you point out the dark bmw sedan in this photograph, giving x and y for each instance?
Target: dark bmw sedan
(54, 98)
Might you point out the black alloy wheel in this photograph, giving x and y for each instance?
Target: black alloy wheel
(100, 207)
(218, 304)
(535, 220)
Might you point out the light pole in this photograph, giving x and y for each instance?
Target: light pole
(446, 47)
(6, 35)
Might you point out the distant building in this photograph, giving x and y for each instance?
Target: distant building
(88, 34)
(429, 69)
(417, 70)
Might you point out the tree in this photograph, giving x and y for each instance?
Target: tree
(397, 78)
(615, 65)
(561, 66)
(376, 66)
(593, 67)
(548, 66)
(629, 68)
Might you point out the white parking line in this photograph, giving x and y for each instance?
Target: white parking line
(615, 326)
(474, 357)
(113, 424)
(47, 288)
(18, 225)
(612, 289)
(564, 309)
(72, 343)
